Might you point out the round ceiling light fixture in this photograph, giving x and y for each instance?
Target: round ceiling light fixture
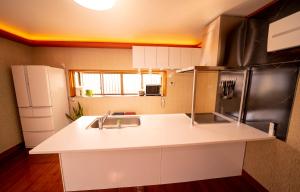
(98, 5)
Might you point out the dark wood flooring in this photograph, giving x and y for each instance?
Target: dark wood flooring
(41, 173)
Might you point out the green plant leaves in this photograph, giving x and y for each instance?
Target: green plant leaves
(77, 112)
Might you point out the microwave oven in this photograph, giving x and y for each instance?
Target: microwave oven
(153, 90)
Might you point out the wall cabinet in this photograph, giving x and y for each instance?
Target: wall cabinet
(174, 56)
(186, 57)
(162, 57)
(284, 33)
(150, 57)
(165, 57)
(138, 56)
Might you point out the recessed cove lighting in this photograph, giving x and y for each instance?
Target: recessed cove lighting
(98, 5)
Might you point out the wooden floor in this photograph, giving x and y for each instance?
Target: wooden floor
(37, 173)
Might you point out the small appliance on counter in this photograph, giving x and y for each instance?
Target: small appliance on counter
(153, 90)
(141, 93)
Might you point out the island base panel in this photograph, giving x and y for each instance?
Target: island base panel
(191, 163)
(140, 167)
(110, 169)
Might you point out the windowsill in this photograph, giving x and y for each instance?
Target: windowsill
(103, 96)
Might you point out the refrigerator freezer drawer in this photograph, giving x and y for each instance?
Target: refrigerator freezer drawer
(32, 139)
(37, 124)
(25, 112)
(35, 112)
(42, 111)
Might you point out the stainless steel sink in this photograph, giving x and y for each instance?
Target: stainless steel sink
(117, 122)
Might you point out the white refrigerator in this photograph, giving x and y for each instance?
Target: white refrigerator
(42, 99)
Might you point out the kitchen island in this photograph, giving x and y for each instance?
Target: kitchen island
(165, 148)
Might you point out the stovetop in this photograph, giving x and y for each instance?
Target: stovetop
(208, 118)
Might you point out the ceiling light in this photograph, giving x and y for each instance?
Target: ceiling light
(98, 5)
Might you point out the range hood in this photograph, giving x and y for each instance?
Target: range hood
(241, 44)
(215, 37)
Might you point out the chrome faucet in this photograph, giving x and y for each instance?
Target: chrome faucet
(102, 120)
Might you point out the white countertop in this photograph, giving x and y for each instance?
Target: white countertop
(161, 130)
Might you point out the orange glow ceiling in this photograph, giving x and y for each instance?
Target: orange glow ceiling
(129, 21)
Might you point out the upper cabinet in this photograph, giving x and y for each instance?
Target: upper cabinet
(150, 57)
(214, 38)
(162, 57)
(284, 33)
(186, 57)
(138, 56)
(165, 57)
(174, 56)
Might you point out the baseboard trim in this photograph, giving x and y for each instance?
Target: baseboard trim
(11, 151)
(253, 182)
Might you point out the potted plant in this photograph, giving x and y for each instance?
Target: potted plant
(77, 112)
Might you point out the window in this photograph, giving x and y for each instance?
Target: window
(111, 84)
(131, 83)
(91, 81)
(115, 82)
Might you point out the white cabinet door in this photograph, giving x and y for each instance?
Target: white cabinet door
(20, 83)
(165, 57)
(39, 85)
(196, 56)
(150, 57)
(162, 57)
(174, 57)
(138, 56)
(186, 57)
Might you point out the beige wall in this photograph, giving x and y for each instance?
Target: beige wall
(206, 91)
(276, 164)
(178, 99)
(11, 53)
(83, 58)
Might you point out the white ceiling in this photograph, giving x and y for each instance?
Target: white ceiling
(139, 21)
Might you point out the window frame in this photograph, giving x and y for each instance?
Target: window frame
(72, 88)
